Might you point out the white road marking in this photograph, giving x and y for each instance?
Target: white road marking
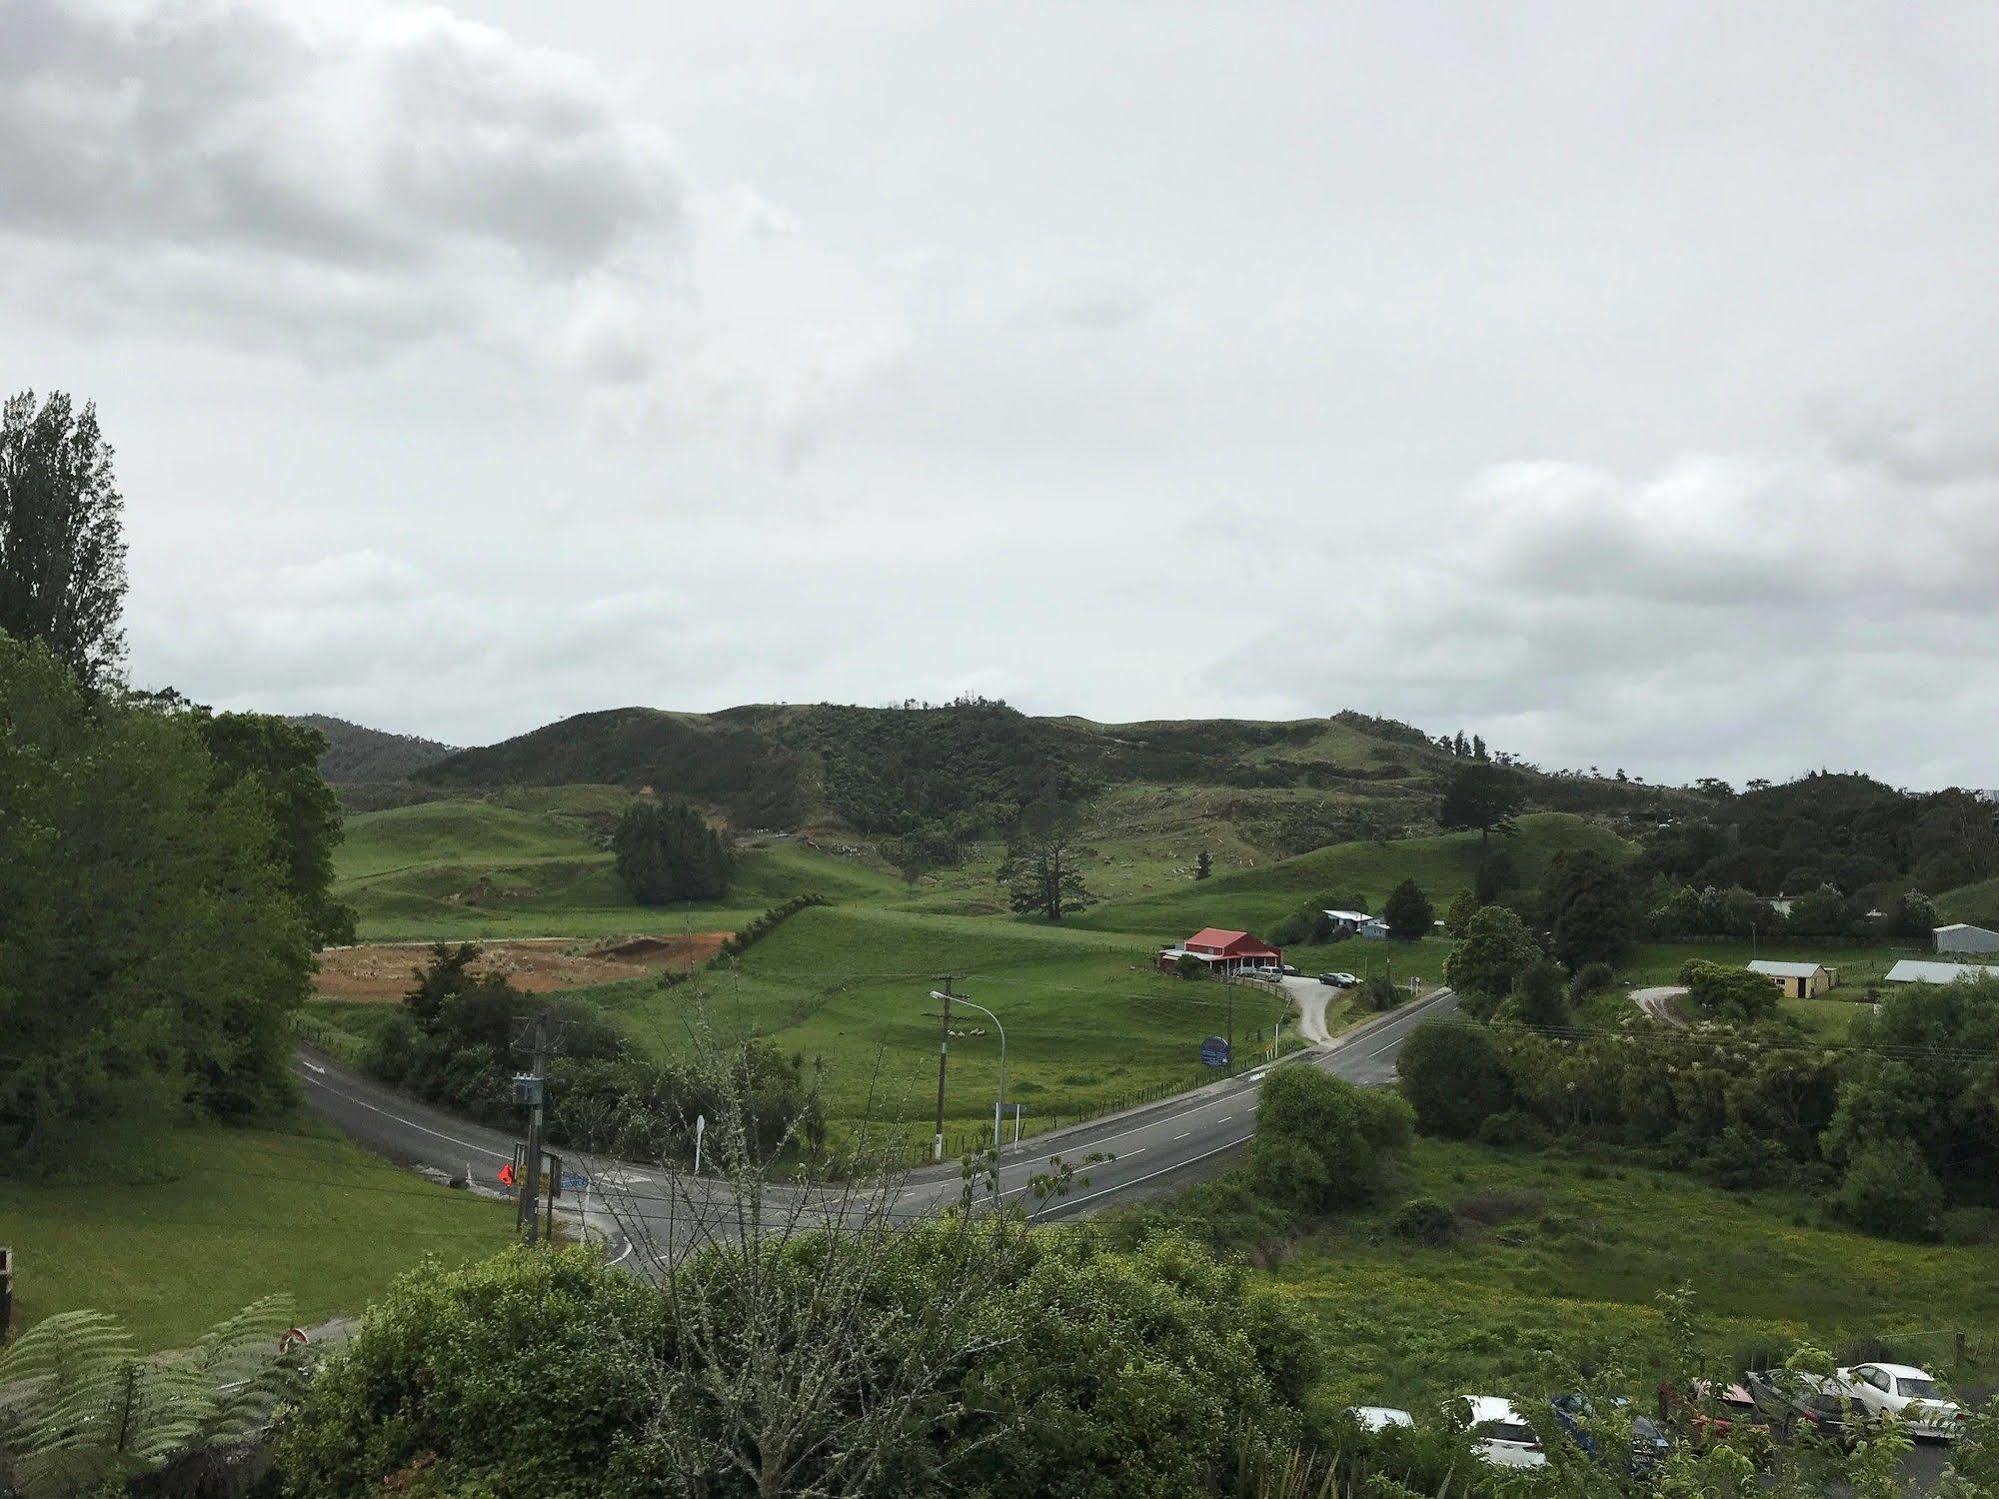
(412, 1124)
(1182, 1137)
(1225, 1119)
(313, 1065)
(1126, 1186)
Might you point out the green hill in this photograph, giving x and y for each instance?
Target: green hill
(1977, 904)
(1443, 865)
(356, 754)
(535, 862)
(968, 768)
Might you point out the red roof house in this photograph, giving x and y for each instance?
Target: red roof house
(1223, 951)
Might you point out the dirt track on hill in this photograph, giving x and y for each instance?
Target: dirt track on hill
(380, 971)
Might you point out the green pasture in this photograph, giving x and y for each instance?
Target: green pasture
(1566, 1256)
(237, 1215)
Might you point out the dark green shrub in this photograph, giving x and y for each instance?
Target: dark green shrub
(1453, 1077)
(1889, 1189)
(1424, 1220)
(1591, 978)
(1322, 1142)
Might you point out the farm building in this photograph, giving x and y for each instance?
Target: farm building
(1963, 937)
(1917, 971)
(1223, 952)
(1357, 923)
(1797, 980)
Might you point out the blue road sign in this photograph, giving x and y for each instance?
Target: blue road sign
(1214, 1052)
(574, 1181)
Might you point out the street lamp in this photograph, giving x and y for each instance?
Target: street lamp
(999, 1103)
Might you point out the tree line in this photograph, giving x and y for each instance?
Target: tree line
(165, 871)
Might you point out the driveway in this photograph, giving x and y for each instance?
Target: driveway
(1310, 996)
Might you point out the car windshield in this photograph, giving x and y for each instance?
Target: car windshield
(1918, 1389)
(1505, 1431)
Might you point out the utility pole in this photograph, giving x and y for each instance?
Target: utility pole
(1229, 983)
(531, 1088)
(943, 1056)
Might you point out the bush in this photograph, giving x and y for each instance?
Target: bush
(530, 1371)
(1725, 993)
(1513, 1127)
(1591, 978)
(1424, 1220)
(1378, 992)
(1453, 1077)
(1889, 1189)
(1322, 1142)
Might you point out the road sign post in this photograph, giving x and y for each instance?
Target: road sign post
(700, 1129)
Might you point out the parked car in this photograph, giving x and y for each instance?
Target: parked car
(1906, 1392)
(1292, 973)
(1649, 1445)
(1339, 980)
(1705, 1413)
(1807, 1402)
(1380, 1417)
(1263, 975)
(1500, 1434)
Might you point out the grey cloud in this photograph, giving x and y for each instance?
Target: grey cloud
(385, 153)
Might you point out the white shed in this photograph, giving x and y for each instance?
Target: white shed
(1919, 971)
(1963, 937)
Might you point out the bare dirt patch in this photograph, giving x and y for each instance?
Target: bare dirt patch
(382, 970)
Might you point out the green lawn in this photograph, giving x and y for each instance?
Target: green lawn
(246, 1213)
(1570, 1260)
(535, 864)
(1256, 899)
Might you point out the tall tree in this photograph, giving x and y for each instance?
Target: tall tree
(1592, 908)
(151, 953)
(1484, 796)
(62, 545)
(280, 759)
(1408, 912)
(1043, 875)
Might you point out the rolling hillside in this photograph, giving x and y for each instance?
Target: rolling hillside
(1272, 788)
(535, 862)
(1257, 898)
(358, 755)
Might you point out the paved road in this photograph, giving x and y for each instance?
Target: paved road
(1155, 1148)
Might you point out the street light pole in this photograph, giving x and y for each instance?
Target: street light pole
(999, 1102)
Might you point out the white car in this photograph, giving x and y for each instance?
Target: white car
(1500, 1434)
(1380, 1417)
(1906, 1392)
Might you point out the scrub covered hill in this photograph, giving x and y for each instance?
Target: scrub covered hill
(957, 770)
(358, 755)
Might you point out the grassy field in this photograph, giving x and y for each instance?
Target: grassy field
(1569, 1257)
(1257, 898)
(1089, 1023)
(245, 1213)
(535, 863)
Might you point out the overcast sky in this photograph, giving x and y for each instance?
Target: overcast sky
(1617, 381)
